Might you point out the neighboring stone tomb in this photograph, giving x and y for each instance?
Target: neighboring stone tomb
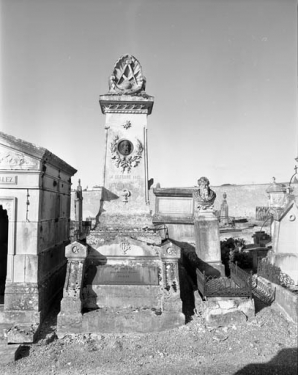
(34, 217)
(128, 279)
(284, 210)
(206, 226)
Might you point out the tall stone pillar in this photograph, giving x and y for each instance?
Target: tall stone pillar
(125, 198)
(224, 210)
(206, 226)
(78, 205)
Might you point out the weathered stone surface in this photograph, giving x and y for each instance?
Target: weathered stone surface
(207, 237)
(24, 333)
(76, 250)
(126, 320)
(206, 230)
(125, 275)
(129, 267)
(21, 296)
(21, 317)
(225, 311)
(219, 317)
(122, 296)
(285, 301)
(69, 322)
(9, 353)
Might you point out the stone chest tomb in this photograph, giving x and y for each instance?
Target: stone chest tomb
(127, 276)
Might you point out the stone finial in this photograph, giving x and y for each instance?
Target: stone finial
(224, 210)
(204, 197)
(79, 194)
(127, 77)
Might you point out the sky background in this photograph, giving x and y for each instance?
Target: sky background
(223, 74)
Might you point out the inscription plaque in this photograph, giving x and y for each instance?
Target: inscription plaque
(10, 180)
(125, 275)
(175, 206)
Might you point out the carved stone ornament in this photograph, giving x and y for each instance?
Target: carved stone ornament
(127, 125)
(171, 251)
(204, 197)
(127, 76)
(16, 160)
(125, 246)
(133, 157)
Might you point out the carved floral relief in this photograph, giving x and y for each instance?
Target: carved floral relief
(16, 160)
(126, 155)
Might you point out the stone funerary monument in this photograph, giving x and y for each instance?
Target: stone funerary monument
(125, 278)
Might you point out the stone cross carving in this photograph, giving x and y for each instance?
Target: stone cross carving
(203, 196)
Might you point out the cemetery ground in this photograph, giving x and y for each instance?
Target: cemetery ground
(267, 344)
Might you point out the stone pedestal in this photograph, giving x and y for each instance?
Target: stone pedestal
(125, 198)
(207, 238)
(70, 318)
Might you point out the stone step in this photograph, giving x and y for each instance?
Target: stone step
(111, 320)
(9, 353)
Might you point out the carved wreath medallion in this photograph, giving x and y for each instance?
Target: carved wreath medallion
(127, 76)
(126, 155)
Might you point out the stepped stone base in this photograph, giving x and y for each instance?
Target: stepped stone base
(121, 321)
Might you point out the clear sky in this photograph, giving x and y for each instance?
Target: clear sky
(223, 74)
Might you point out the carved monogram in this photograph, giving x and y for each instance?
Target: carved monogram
(126, 162)
(16, 160)
(125, 246)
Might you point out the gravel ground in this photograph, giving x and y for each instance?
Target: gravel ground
(265, 345)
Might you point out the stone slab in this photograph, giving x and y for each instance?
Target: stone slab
(120, 321)
(222, 318)
(121, 296)
(125, 321)
(285, 301)
(124, 275)
(68, 323)
(25, 334)
(226, 311)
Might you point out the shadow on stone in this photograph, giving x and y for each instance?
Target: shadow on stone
(285, 362)
(23, 352)
(46, 332)
(89, 296)
(188, 279)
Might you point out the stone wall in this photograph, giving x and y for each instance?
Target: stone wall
(242, 199)
(53, 234)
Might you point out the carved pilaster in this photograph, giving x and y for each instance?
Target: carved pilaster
(70, 316)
